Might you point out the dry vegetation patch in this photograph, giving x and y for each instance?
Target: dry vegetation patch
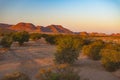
(36, 55)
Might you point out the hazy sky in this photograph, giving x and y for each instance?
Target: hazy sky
(76, 15)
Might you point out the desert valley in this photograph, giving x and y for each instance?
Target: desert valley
(59, 39)
(39, 51)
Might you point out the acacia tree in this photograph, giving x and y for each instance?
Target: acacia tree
(21, 37)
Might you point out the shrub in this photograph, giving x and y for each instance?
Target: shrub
(35, 36)
(16, 76)
(68, 49)
(87, 41)
(58, 72)
(93, 50)
(110, 57)
(112, 46)
(44, 35)
(50, 39)
(21, 37)
(6, 41)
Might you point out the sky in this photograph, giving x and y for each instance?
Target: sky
(76, 15)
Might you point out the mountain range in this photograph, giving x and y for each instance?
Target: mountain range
(29, 27)
(50, 29)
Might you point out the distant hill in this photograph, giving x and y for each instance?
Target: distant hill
(29, 27)
(53, 29)
(50, 29)
(2, 25)
(58, 29)
(4, 28)
(116, 34)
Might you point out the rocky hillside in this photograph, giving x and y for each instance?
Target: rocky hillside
(29, 27)
(53, 29)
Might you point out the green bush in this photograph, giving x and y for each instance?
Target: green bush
(21, 37)
(58, 72)
(93, 50)
(68, 49)
(6, 41)
(111, 57)
(51, 39)
(35, 36)
(16, 76)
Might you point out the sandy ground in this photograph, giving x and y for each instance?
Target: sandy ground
(35, 55)
(93, 70)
